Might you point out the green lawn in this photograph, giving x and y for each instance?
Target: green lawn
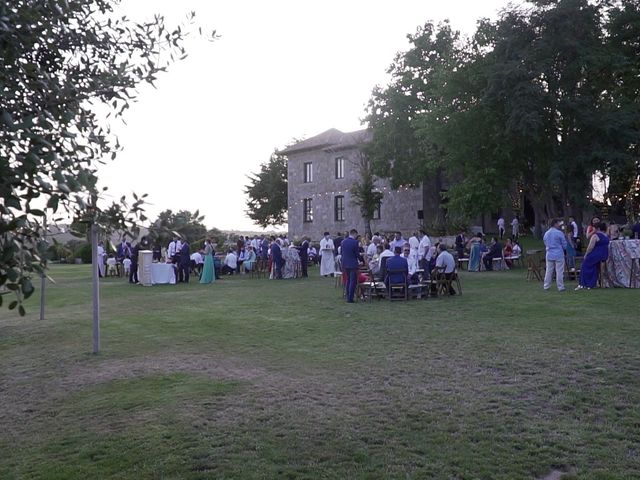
(281, 379)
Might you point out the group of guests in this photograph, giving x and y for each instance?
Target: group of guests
(481, 254)
(394, 260)
(563, 243)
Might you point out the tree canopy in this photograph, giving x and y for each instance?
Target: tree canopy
(62, 62)
(534, 103)
(267, 193)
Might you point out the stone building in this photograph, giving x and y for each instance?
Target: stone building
(320, 172)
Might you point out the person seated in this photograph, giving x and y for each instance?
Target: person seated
(313, 255)
(412, 262)
(400, 268)
(250, 260)
(230, 263)
(507, 251)
(494, 251)
(446, 264)
(374, 263)
(613, 232)
(111, 266)
(517, 249)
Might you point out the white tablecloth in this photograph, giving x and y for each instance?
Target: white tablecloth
(162, 273)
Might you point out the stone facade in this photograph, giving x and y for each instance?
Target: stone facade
(398, 210)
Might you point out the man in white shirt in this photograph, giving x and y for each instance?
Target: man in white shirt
(515, 228)
(101, 257)
(230, 263)
(423, 249)
(398, 241)
(412, 262)
(414, 244)
(174, 249)
(445, 262)
(501, 227)
(373, 247)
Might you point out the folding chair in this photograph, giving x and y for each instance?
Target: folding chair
(397, 290)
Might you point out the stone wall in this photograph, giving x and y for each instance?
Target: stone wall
(399, 209)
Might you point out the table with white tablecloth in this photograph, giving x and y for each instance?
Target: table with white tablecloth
(163, 273)
(622, 268)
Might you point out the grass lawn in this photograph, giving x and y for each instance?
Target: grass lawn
(254, 379)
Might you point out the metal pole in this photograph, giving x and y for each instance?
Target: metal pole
(96, 289)
(42, 275)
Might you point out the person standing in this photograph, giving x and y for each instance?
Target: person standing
(276, 257)
(184, 262)
(133, 273)
(555, 244)
(501, 227)
(304, 256)
(101, 259)
(597, 251)
(327, 262)
(208, 271)
(575, 235)
(515, 229)
(350, 252)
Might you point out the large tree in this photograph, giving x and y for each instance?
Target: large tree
(62, 62)
(267, 193)
(188, 225)
(417, 78)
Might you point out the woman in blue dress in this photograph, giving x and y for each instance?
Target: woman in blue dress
(208, 272)
(475, 255)
(597, 251)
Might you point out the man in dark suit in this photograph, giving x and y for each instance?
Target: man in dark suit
(398, 266)
(133, 274)
(350, 252)
(304, 256)
(184, 262)
(124, 249)
(276, 258)
(495, 251)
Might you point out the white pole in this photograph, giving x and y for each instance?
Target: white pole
(96, 289)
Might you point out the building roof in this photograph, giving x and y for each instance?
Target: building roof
(332, 139)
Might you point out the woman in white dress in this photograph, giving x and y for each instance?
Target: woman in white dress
(327, 261)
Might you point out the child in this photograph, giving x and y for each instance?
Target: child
(126, 263)
(111, 266)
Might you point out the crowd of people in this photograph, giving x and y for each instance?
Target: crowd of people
(563, 243)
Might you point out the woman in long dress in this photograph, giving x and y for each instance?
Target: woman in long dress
(208, 272)
(597, 251)
(327, 262)
(474, 252)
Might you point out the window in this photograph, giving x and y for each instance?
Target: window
(376, 213)
(339, 208)
(340, 167)
(307, 212)
(308, 172)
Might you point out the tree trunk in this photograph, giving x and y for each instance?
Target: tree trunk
(538, 213)
(432, 201)
(367, 227)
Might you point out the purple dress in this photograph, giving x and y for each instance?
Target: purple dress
(591, 264)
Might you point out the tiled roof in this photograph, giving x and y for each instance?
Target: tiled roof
(332, 139)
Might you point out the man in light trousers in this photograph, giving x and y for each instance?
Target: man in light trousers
(555, 243)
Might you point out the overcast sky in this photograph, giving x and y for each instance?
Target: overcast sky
(281, 69)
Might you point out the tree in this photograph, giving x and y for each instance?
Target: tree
(184, 223)
(267, 192)
(364, 192)
(397, 151)
(63, 62)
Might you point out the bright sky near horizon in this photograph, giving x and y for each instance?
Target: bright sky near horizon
(280, 70)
